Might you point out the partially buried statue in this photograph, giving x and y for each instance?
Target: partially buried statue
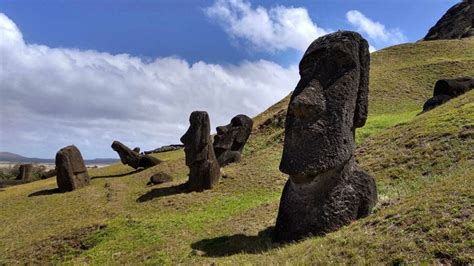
(132, 157)
(230, 139)
(326, 189)
(71, 171)
(204, 170)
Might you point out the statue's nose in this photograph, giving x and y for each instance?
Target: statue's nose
(221, 130)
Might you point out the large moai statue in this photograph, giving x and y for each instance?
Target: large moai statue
(326, 189)
(71, 172)
(230, 139)
(25, 172)
(132, 157)
(204, 171)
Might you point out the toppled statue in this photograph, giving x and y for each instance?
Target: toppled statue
(230, 139)
(446, 89)
(326, 189)
(71, 172)
(133, 158)
(204, 171)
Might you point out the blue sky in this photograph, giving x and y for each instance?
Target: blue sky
(175, 27)
(88, 72)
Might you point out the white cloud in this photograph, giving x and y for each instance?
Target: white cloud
(274, 29)
(375, 31)
(52, 97)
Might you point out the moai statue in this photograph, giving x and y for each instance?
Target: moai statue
(204, 171)
(133, 158)
(25, 172)
(71, 172)
(326, 189)
(230, 139)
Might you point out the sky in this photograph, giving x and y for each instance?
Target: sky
(90, 72)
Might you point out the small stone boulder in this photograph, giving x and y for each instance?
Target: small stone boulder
(71, 169)
(160, 178)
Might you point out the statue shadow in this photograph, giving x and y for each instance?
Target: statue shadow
(118, 175)
(46, 192)
(234, 244)
(163, 192)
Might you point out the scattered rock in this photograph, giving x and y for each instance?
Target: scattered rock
(326, 189)
(204, 172)
(133, 158)
(457, 23)
(446, 89)
(71, 170)
(159, 178)
(230, 139)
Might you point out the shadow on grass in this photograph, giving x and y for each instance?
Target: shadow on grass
(46, 192)
(235, 244)
(163, 192)
(118, 175)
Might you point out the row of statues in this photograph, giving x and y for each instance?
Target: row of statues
(326, 189)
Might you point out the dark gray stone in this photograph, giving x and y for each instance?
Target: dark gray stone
(160, 178)
(326, 189)
(458, 22)
(70, 169)
(230, 139)
(204, 171)
(133, 158)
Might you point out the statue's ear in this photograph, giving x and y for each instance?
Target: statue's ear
(362, 102)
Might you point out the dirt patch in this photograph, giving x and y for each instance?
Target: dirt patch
(59, 248)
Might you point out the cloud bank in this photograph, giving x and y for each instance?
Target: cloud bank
(275, 29)
(377, 33)
(52, 97)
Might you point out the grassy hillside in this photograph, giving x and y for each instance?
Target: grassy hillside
(423, 166)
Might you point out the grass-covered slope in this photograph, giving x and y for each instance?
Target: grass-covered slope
(423, 166)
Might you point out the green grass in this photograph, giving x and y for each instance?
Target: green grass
(423, 166)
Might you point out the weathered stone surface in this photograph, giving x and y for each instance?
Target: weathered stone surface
(133, 158)
(446, 89)
(230, 139)
(70, 169)
(160, 178)
(48, 174)
(25, 172)
(458, 22)
(204, 171)
(136, 149)
(326, 189)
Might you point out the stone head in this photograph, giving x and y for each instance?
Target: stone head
(328, 103)
(234, 135)
(197, 139)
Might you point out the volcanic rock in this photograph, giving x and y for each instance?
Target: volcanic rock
(204, 171)
(71, 170)
(457, 23)
(230, 139)
(326, 189)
